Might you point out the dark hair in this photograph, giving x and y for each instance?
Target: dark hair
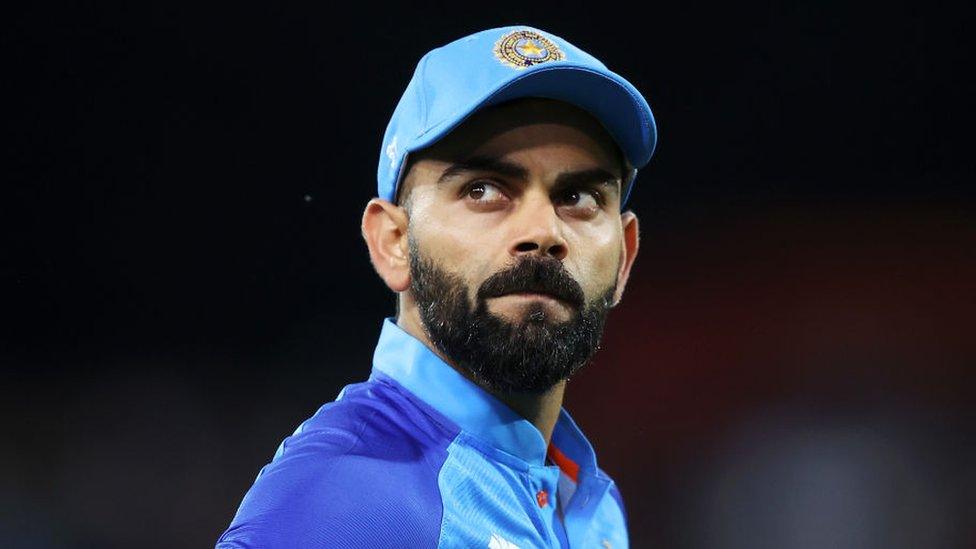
(401, 199)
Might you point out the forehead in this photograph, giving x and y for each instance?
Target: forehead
(490, 126)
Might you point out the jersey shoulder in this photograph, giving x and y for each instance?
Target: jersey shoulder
(360, 472)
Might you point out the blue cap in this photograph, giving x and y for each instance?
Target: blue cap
(497, 65)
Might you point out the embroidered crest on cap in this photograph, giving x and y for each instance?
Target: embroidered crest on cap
(523, 48)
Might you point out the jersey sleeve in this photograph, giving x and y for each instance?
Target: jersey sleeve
(615, 492)
(322, 491)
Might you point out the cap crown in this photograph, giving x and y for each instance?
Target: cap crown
(452, 82)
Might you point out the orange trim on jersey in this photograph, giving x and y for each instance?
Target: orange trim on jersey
(565, 464)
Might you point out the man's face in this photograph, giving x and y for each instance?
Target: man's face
(516, 242)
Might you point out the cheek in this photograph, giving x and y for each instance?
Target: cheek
(463, 245)
(597, 262)
(452, 251)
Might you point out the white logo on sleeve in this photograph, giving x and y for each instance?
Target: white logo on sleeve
(498, 542)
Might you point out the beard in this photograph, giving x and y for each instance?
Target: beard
(529, 355)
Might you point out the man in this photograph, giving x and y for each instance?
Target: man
(500, 226)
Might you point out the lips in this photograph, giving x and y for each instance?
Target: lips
(539, 294)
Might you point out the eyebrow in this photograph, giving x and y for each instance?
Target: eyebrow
(517, 171)
(484, 164)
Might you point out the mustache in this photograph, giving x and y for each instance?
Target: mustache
(534, 275)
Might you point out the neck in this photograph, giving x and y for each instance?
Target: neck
(540, 410)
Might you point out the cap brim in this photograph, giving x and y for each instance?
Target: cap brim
(609, 98)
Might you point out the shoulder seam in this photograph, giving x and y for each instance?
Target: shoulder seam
(357, 436)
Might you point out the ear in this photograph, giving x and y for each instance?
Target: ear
(628, 252)
(385, 232)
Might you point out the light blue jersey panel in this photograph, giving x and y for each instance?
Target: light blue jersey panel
(490, 500)
(485, 503)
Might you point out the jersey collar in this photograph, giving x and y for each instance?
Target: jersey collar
(413, 365)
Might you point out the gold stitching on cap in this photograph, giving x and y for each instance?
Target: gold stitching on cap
(522, 49)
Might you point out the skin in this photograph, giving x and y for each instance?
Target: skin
(475, 217)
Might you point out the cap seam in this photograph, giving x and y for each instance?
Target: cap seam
(423, 93)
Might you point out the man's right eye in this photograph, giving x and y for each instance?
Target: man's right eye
(484, 192)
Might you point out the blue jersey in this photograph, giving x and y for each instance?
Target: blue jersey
(419, 456)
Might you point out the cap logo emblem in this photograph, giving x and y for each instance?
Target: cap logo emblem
(523, 48)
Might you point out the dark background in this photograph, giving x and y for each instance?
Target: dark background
(184, 281)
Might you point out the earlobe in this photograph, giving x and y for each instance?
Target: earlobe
(384, 229)
(628, 252)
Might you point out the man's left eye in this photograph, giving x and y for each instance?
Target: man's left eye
(580, 198)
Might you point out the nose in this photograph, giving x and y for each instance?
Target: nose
(538, 231)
